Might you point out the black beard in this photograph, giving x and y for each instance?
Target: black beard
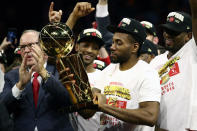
(119, 60)
(172, 50)
(114, 60)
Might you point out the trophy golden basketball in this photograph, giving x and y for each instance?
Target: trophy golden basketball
(57, 42)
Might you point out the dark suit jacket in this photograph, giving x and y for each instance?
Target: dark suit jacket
(52, 97)
(6, 124)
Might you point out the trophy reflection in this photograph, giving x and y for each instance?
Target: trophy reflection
(57, 41)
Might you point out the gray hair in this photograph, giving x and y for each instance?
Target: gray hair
(31, 30)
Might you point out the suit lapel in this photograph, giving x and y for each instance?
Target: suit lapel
(29, 93)
(41, 95)
(41, 90)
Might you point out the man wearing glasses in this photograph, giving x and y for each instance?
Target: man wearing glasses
(34, 100)
(33, 93)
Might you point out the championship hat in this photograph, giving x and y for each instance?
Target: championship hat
(178, 22)
(130, 26)
(91, 34)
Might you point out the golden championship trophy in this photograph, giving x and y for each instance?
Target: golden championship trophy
(57, 41)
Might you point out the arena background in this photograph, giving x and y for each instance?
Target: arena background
(33, 14)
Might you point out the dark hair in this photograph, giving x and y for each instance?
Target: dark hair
(148, 32)
(91, 40)
(133, 40)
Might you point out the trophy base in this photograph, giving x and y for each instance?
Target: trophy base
(79, 107)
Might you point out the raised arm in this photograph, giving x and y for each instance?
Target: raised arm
(4, 44)
(54, 16)
(81, 9)
(103, 20)
(193, 5)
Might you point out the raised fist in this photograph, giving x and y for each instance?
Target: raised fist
(54, 16)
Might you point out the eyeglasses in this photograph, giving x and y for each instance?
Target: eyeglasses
(29, 46)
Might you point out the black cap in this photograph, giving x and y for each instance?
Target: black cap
(130, 26)
(149, 27)
(178, 22)
(91, 34)
(148, 47)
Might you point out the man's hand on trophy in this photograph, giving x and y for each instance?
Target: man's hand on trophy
(54, 16)
(99, 99)
(66, 77)
(82, 9)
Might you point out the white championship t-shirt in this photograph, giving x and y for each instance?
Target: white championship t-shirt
(126, 89)
(192, 122)
(176, 81)
(163, 58)
(91, 124)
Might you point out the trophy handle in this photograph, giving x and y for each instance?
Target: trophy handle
(67, 86)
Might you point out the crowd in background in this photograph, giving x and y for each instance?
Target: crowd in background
(34, 12)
